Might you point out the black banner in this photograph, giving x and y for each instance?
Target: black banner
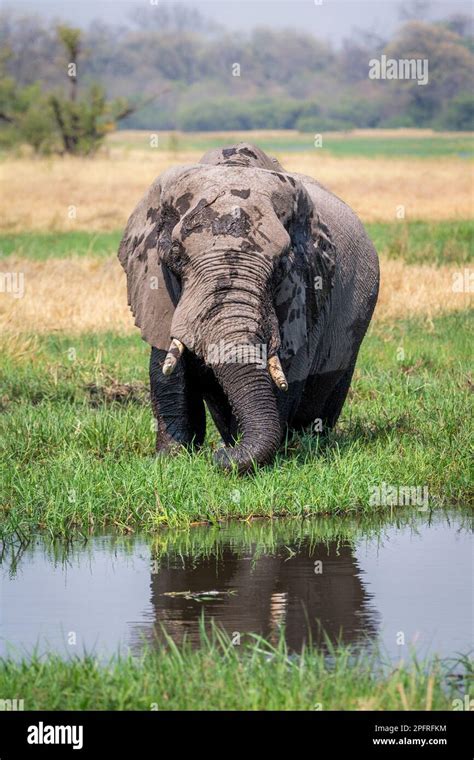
(376, 734)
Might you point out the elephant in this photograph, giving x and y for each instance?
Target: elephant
(254, 287)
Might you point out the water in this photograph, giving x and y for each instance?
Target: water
(409, 581)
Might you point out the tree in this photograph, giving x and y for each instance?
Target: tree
(62, 121)
(462, 25)
(23, 110)
(170, 49)
(450, 69)
(82, 123)
(459, 113)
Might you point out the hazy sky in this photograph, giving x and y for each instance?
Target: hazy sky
(334, 19)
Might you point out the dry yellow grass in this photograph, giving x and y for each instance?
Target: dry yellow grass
(81, 295)
(41, 194)
(430, 189)
(408, 291)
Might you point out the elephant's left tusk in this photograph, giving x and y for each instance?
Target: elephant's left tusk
(174, 352)
(277, 374)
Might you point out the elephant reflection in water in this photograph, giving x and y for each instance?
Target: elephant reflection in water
(318, 589)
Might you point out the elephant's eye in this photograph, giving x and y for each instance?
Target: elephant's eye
(174, 257)
(175, 248)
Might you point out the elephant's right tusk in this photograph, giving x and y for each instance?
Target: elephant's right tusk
(276, 373)
(172, 357)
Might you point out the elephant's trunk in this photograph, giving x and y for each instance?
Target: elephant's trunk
(249, 390)
(224, 308)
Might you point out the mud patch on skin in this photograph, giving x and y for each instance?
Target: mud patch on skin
(151, 241)
(148, 239)
(237, 225)
(168, 218)
(281, 206)
(241, 193)
(250, 246)
(153, 214)
(248, 152)
(199, 219)
(203, 218)
(184, 202)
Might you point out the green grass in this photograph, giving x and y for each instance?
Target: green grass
(418, 242)
(75, 462)
(59, 245)
(399, 147)
(347, 145)
(220, 676)
(446, 242)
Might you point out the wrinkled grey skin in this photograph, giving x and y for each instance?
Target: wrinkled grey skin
(236, 251)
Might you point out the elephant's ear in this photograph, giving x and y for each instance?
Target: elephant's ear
(150, 289)
(305, 277)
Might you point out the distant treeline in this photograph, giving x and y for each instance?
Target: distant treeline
(178, 71)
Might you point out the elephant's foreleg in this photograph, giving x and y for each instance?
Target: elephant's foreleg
(321, 401)
(177, 404)
(335, 401)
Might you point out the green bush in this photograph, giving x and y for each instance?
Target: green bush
(321, 124)
(230, 113)
(459, 113)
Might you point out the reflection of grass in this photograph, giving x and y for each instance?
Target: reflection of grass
(69, 464)
(284, 537)
(287, 536)
(219, 676)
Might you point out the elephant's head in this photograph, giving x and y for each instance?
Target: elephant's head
(220, 260)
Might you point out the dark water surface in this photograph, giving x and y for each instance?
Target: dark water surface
(410, 580)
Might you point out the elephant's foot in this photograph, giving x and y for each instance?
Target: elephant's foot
(168, 449)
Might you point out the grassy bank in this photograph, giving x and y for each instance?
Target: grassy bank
(220, 676)
(77, 437)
